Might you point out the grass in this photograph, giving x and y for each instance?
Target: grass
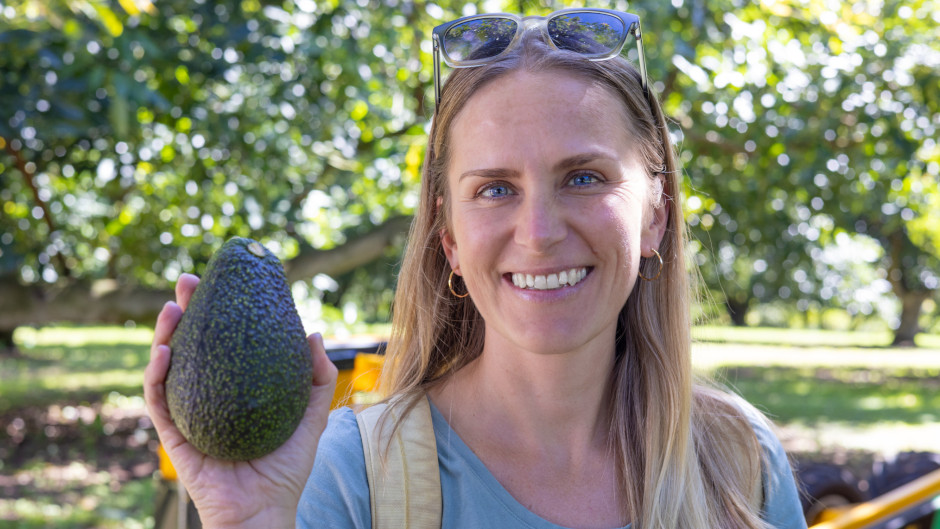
(816, 396)
(76, 372)
(101, 506)
(77, 449)
(806, 337)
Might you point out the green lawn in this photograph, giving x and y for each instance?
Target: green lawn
(77, 450)
(73, 365)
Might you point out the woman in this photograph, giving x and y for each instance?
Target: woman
(543, 312)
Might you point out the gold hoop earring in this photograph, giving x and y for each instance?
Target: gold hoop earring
(655, 277)
(450, 285)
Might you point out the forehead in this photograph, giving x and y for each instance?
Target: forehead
(546, 113)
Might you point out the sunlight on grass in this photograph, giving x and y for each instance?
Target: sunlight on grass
(885, 438)
(73, 363)
(100, 506)
(851, 395)
(29, 337)
(709, 355)
(791, 337)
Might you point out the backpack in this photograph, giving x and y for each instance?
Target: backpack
(405, 485)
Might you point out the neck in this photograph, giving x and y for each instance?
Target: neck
(549, 404)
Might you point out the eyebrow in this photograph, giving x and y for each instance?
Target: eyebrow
(584, 158)
(568, 163)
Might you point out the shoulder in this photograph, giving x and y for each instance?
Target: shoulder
(732, 412)
(782, 506)
(762, 426)
(337, 492)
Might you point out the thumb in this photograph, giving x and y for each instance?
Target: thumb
(324, 371)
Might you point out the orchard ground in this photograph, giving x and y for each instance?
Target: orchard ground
(77, 448)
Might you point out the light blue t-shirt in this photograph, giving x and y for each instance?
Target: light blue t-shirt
(337, 493)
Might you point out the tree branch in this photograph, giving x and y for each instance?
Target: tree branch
(28, 176)
(110, 301)
(353, 254)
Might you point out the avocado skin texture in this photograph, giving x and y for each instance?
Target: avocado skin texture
(240, 372)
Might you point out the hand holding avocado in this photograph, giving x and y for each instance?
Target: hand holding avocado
(256, 483)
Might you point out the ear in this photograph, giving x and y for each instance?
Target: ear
(450, 250)
(655, 229)
(448, 243)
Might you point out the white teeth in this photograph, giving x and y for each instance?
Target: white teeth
(551, 281)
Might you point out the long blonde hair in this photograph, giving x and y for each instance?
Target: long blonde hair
(687, 456)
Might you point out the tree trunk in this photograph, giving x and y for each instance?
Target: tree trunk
(910, 291)
(7, 347)
(737, 310)
(911, 303)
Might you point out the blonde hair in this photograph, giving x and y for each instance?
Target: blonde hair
(697, 458)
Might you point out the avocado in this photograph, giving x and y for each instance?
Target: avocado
(240, 370)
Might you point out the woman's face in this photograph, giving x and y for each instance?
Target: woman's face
(550, 210)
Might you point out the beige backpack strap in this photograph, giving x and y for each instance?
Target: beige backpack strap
(404, 480)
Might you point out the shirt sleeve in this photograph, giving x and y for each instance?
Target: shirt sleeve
(782, 509)
(337, 492)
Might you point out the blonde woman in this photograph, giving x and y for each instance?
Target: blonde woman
(542, 316)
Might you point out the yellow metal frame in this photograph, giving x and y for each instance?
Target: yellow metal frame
(898, 500)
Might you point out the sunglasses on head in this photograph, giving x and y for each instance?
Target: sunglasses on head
(597, 34)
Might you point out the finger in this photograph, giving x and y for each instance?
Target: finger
(181, 453)
(321, 394)
(155, 393)
(324, 370)
(167, 320)
(185, 286)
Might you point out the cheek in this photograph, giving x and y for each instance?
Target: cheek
(625, 213)
(616, 228)
(474, 238)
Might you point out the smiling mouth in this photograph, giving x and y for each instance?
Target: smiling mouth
(565, 278)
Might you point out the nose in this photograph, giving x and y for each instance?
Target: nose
(540, 222)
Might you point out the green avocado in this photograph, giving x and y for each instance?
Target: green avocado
(240, 370)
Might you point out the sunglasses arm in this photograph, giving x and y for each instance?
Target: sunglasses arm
(437, 72)
(642, 58)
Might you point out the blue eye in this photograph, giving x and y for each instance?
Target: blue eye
(584, 179)
(496, 191)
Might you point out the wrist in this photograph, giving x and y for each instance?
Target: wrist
(273, 518)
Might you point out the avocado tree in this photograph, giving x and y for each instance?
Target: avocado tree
(803, 121)
(137, 136)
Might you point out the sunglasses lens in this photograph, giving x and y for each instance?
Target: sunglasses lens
(477, 39)
(591, 34)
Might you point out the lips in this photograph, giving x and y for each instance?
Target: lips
(553, 281)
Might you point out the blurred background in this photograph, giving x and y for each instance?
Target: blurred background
(137, 136)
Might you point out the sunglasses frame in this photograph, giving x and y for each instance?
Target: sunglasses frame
(630, 21)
